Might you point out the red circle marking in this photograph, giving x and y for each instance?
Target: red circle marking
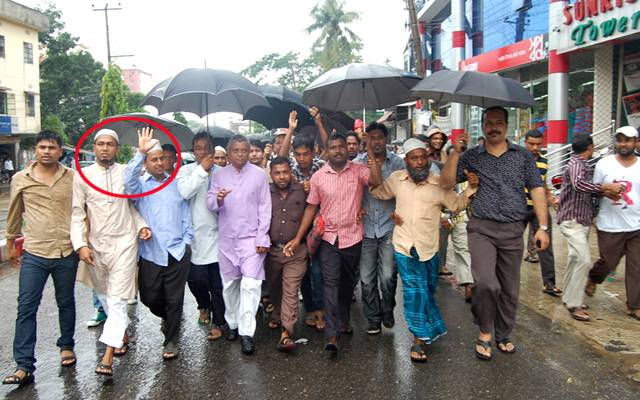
(127, 118)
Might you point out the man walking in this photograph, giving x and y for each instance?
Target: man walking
(618, 222)
(496, 225)
(204, 278)
(41, 199)
(164, 260)
(336, 190)
(377, 268)
(533, 143)
(104, 232)
(419, 200)
(240, 194)
(575, 213)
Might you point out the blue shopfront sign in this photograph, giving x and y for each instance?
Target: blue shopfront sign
(5, 125)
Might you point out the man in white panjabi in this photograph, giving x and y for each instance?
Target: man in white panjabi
(104, 233)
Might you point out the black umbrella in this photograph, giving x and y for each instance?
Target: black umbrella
(282, 101)
(473, 88)
(359, 86)
(128, 130)
(156, 95)
(203, 91)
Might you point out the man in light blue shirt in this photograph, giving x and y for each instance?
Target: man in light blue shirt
(377, 267)
(165, 259)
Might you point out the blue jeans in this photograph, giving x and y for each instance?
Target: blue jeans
(312, 286)
(378, 277)
(33, 276)
(96, 301)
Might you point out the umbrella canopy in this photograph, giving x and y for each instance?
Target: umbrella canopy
(282, 101)
(473, 88)
(128, 130)
(357, 86)
(203, 91)
(155, 95)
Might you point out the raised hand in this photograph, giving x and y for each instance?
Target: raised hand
(293, 120)
(146, 140)
(461, 142)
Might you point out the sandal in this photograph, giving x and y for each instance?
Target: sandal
(552, 290)
(286, 344)
(215, 334)
(17, 380)
(204, 318)
(633, 313)
(310, 321)
(485, 345)
(273, 324)
(69, 360)
(120, 351)
(104, 369)
(320, 324)
(422, 357)
(502, 346)
(582, 318)
(169, 352)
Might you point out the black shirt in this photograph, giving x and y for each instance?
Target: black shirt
(501, 196)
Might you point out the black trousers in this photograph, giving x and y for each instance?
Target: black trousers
(205, 284)
(162, 290)
(547, 260)
(339, 267)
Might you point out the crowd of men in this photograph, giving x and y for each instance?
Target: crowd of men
(254, 224)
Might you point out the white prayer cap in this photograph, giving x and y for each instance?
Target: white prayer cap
(413, 144)
(157, 147)
(628, 131)
(220, 148)
(107, 132)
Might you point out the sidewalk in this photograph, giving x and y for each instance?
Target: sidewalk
(4, 209)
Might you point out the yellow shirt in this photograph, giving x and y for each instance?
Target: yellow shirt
(45, 211)
(419, 207)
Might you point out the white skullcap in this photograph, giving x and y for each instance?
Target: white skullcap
(157, 147)
(628, 131)
(220, 148)
(413, 144)
(107, 132)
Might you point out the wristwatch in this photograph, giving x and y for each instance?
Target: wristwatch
(544, 228)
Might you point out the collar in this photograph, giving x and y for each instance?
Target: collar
(330, 170)
(61, 171)
(294, 187)
(148, 176)
(510, 146)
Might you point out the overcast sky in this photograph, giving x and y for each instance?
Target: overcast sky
(168, 36)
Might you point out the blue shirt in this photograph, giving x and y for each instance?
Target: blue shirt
(166, 212)
(377, 219)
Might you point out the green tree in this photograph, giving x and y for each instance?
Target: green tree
(53, 123)
(336, 45)
(133, 101)
(113, 94)
(286, 70)
(125, 153)
(70, 78)
(179, 117)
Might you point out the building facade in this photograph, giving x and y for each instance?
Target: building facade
(19, 75)
(137, 80)
(579, 88)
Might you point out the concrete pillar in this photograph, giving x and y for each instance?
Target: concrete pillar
(558, 100)
(459, 38)
(603, 87)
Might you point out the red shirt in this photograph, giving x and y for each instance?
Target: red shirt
(339, 196)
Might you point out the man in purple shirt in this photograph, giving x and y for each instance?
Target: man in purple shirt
(240, 194)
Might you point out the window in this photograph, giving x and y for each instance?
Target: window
(28, 53)
(1, 46)
(4, 103)
(30, 104)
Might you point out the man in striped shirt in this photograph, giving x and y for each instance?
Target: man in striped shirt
(575, 213)
(336, 190)
(533, 143)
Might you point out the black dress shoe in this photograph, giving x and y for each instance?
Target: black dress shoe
(232, 334)
(247, 344)
(388, 322)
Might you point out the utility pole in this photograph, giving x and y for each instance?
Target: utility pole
(415, 37)
(106, 10)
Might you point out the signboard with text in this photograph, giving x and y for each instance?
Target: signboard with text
(585, 23)
(5, 125)
(516, 55)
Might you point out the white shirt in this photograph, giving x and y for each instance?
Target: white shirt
(193, 184)
(622, 215)
(8, 165)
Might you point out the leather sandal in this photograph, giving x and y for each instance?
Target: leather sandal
(485, 345)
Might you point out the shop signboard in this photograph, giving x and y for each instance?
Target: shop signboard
(632, 108)
(585, 23)
(516, 55)
(5, 125)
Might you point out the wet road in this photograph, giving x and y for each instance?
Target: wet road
(549, 364)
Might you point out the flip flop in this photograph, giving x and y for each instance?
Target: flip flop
(121, 351)
(485, 345)
(504, 342)
(581, 318)
(286, 344)
(214, 334)
(422, 357)
(104, 369)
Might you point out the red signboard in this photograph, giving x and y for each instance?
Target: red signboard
(512, 56)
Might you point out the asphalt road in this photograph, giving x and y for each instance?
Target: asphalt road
(549, 364)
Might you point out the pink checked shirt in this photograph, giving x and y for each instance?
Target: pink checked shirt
(339, 196)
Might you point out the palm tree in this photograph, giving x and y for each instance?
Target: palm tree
(337, 45)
